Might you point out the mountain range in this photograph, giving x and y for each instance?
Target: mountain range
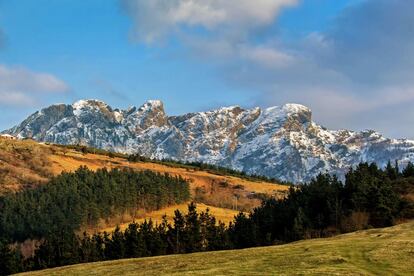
(281, 142)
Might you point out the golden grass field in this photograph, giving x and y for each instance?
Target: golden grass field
(23, 162)
(220, 201)
(387, 251)
(72, 160)
(37, 160)
(22, 165)
(221, 214)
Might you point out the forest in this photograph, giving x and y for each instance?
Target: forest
(368, 197)
(82, 198)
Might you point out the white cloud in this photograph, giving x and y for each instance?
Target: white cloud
(349, 73)
(227, 27)
(267, 57)
(158, 18)
(13, 98)
(22, 87)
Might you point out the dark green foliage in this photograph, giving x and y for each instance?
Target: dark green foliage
(325, 207)
(370, 197)
(243, 232)
(193, 232)
(10, 259)
(77, 199)
(409, 170)
(392, 172)
(193, 239)
(370, 190)
(58, 249)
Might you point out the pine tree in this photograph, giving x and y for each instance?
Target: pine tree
(193, 241)
(176, 234)
(115, 245)
(408, 170)
(391, 171)
(10, 260)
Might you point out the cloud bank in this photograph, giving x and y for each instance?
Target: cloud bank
(21, 87)
(154, 20)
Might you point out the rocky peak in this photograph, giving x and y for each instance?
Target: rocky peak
(150, 114)
(94, 112)
(234, 109)
(297, 117)
(83, 106)
(152, 107)
(298, 112)
(153, 104)
(39, 122)
(292, 117)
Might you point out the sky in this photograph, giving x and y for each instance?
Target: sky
(350, 61)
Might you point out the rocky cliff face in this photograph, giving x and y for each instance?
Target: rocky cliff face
(281, 142)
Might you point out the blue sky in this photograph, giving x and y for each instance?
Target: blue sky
(197, 55)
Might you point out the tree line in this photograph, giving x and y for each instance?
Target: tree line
(192, 232)
(369, 197)
(82, 198)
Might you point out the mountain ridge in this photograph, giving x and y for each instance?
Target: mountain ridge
(281, 141)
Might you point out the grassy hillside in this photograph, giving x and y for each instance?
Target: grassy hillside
(23, 164)
(221, 214)
(387, 251)
(40, 161)
(26, 164)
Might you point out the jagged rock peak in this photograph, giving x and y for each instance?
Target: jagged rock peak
(294, 114)
(302, 113)
(82, 106)
(281, 141)
(150, 114)
(297, 108)
(88, 103)
(152, 105)
(228, 108)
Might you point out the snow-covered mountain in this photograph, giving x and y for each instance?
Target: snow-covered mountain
(281, 142)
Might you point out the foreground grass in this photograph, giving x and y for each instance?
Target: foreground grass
(388, 251)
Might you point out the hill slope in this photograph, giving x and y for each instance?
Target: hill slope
(26, 164)
(23, 164)
(221, 214)
(280, 142)
(387, 251)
